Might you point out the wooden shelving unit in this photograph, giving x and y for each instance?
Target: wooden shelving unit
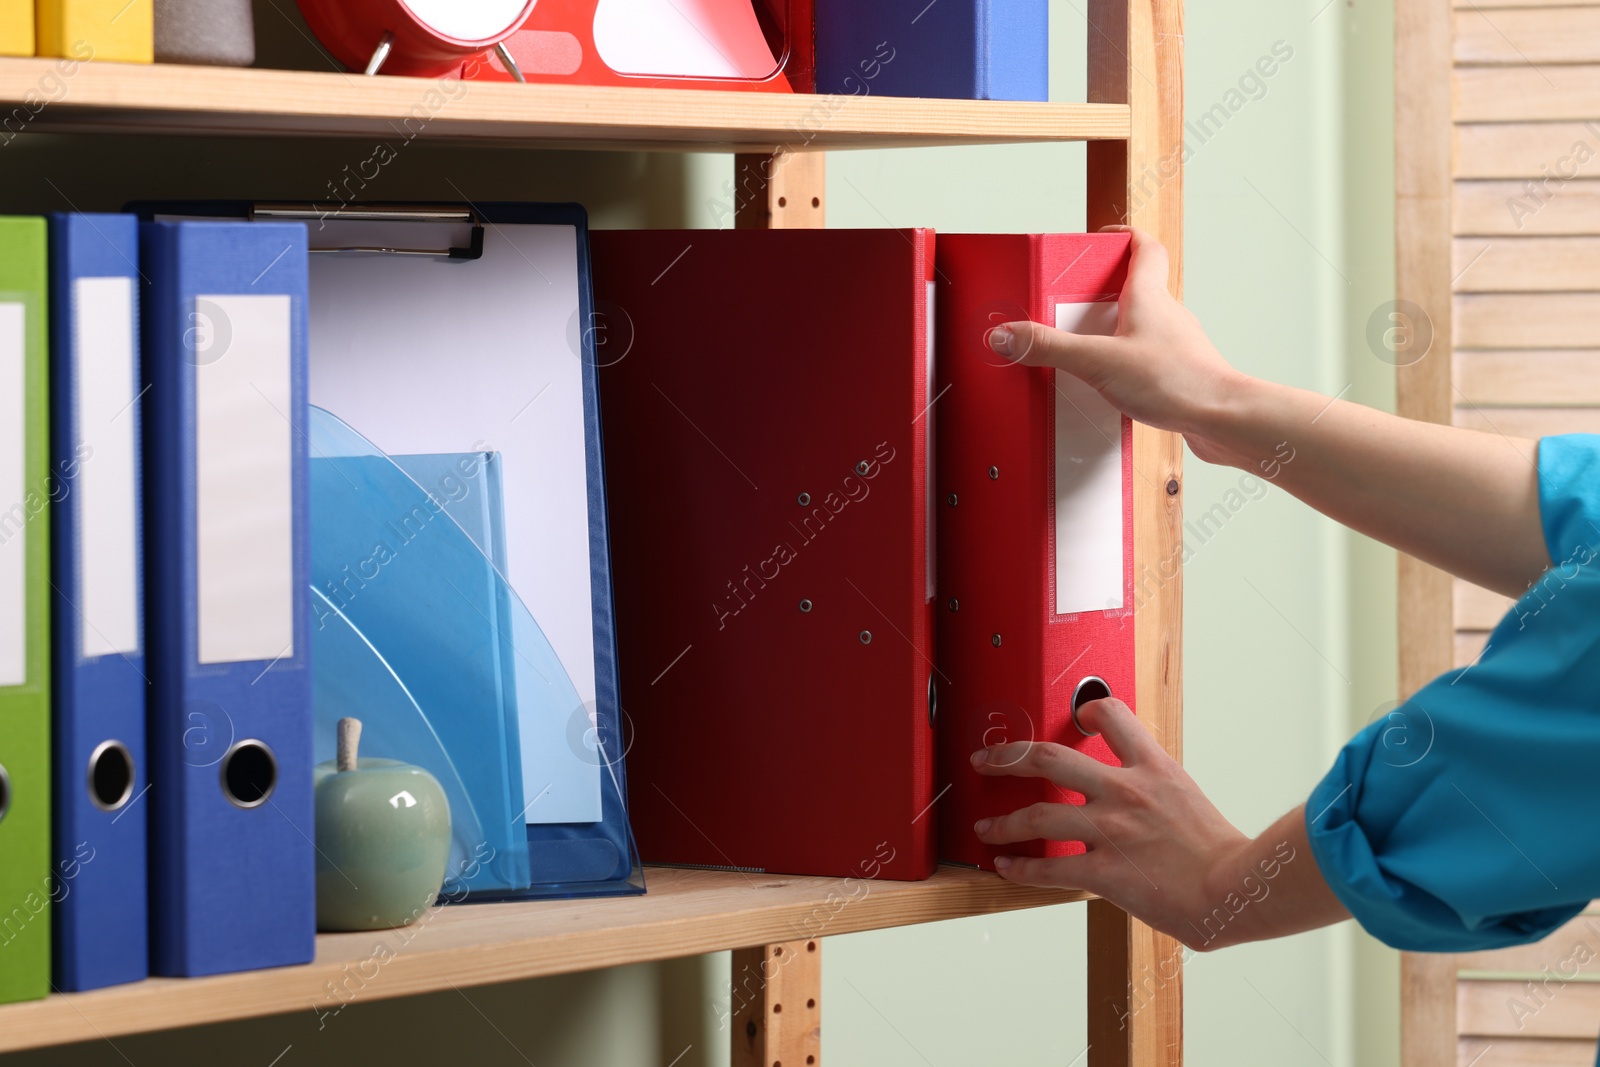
(1133, 122)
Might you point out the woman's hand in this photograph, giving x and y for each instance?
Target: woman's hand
(1157, 848)
(1160, 368)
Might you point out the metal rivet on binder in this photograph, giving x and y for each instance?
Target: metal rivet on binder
(805, 499)
(805, 605)
(951, 500)
(955, 605)
(866, 637)
(995, 640)
(994, 474)
(5, 793)
(863, 467)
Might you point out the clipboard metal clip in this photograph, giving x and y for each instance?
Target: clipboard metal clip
(310, 213)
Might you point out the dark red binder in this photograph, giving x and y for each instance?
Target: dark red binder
(1035, 496)
(764, 396)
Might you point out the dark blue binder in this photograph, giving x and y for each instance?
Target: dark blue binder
(101, 922)
(232, 861)
(957, 49)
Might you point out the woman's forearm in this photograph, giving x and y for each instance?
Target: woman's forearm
(1464, 501)
(1270, 888)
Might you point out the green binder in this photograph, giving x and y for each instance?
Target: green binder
(26, 885)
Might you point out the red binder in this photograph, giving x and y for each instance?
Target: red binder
(1035, 489)
(763, 397)
(558, 44)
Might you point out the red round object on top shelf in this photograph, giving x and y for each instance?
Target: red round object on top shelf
(428, 38)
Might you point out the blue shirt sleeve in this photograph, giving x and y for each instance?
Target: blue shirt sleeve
(1466, 819)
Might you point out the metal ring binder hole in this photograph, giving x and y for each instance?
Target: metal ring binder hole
(805, 500)
(933, 700)
(994, 474)
(866, 637)
(5, 792)
(110, 775)
(955, 605)
(863, 467)
(805, 605)
(249, 774)
(1089, 689)
(951, 499)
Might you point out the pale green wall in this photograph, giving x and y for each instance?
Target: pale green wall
(1290, 621)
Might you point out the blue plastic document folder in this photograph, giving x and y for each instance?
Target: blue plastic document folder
(101, 921)
(956, 49)
(460, 565)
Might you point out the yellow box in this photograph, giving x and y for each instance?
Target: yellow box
(16, 27)
(114, 31)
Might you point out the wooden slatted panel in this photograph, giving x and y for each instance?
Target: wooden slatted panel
(1527, 320)
(1517, 94)
(1523, 1009)
(1526, 264)
(1528, 378)
(1513, 208)
(1577, 939)
(1529, 149)
(1528, 35)
(1530, 423)
(1484, 1052)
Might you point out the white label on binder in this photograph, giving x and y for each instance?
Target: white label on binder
(13, 495)
(682, 38)
(1088, 468)
(244, 505)
(928, 443)
(467, 20)
(108, 565)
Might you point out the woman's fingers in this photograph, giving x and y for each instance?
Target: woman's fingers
(1130, 742)
(1088, 356)
(1044, 821)
(1041, 759)
(1060, 872)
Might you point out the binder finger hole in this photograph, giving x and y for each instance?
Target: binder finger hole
(249, 774)
(110, 775)
(5, 792)
(1089, 689)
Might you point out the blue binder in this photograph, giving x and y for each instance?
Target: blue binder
(956, 49)
(232, 864)
(101, 922)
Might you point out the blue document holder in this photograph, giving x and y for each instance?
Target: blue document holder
(101, 922)
(956, 49)
(229, 645)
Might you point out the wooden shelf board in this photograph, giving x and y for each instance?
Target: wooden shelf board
(129, 98)
(685, 913)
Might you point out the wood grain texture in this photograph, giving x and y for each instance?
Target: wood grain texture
(1543, 36)
(1510, 1009)
(686, 913)
(1526, 320)
(1528, 377)
(1526, 264)
(1523, 93)
(1523, 150)
(777, 1004)
(787, 191)
(1499, 1052)
(1136, 57)
(1529, 423)
(1512, 208)
(215, 100)
(1572, 942)
(1427, 1010)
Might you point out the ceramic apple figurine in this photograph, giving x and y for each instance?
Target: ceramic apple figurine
(383, 839)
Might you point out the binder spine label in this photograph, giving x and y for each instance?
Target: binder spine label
(106, 456)
(1088, 480)
(14, 507)
(244, 540)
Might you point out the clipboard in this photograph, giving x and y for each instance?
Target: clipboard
(440, 332)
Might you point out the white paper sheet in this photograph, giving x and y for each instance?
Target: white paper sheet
(425, 355)
(14, 516)
(1088, 468)
(682, 38)
(103, 333)
(244, 486)
(467, 20)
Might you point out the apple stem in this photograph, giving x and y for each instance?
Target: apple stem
(349, 741)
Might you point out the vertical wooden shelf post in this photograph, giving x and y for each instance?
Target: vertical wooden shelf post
(777, 989)
(1136, 58)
